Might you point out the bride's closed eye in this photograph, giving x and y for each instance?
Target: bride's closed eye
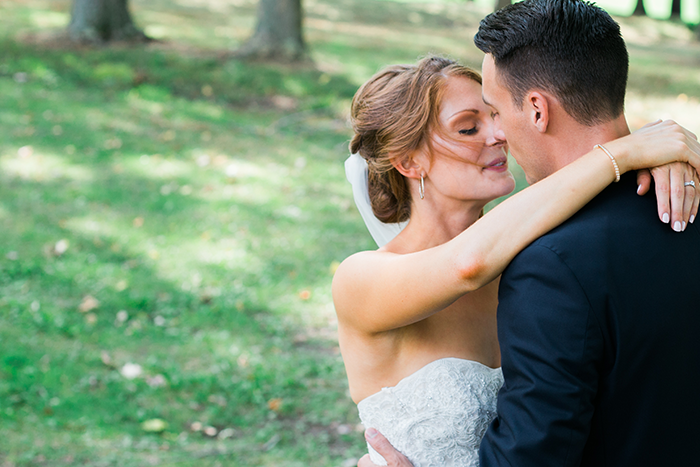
(469, 132)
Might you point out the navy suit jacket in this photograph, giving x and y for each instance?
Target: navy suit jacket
(599, 327)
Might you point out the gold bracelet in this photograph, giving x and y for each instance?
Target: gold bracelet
(614, 162)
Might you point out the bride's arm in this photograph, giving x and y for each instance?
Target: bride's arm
(379, 291)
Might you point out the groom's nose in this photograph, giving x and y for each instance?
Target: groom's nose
(497, 136)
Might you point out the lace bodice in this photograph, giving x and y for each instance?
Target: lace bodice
(438, 415)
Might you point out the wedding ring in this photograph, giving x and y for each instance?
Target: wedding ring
(690, 183)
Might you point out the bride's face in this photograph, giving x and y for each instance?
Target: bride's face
(469, 153)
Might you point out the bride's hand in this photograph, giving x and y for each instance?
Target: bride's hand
(656, 144)
(674, 152)
(677, 202)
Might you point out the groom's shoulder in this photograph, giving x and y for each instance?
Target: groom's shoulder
(608, 219)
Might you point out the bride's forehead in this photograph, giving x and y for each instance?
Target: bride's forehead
(461, 94)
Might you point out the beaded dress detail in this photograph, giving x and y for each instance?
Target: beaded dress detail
(438, 415)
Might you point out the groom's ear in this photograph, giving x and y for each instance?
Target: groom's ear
(537, 105)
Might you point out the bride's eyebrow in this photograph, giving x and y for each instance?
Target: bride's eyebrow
(474, 111)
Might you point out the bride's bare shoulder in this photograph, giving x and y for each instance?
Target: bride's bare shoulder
(358, 273)
(361, 264)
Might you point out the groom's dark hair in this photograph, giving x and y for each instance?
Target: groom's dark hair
(569, 48)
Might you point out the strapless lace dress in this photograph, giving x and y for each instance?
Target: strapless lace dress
(438, 415)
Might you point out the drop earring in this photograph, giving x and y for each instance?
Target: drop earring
(421, 189)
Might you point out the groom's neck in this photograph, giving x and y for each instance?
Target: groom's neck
(579, 139)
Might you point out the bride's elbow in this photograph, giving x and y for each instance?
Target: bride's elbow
(472, 272)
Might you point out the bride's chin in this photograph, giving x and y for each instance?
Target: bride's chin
(508, 185)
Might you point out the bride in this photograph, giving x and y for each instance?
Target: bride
(417, 317)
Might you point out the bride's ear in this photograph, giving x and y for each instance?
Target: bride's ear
(409, 167)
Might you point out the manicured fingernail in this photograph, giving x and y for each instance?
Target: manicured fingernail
(639, 188)
(692, 219)
(684, 224)
(677, 226)
(666, 218)
(371, 433)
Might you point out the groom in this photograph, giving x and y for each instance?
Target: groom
(598, 320)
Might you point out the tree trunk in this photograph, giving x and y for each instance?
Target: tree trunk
(278, 35)
(676, 9)
(502, 3)
(639, 10)
(98, 21)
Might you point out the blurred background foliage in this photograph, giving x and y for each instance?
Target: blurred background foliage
(171, 218)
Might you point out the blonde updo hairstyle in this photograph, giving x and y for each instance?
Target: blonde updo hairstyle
(393, 114)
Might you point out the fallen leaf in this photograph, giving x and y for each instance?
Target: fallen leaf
(61, 247)
(154, 425)
(274, 404)
(131, 370)
(105, 358)
(305, 294)
(89, 303)
(210, 431)
(243, 361)
(226, 433)
(91, 318)
(272, 442)
(156, 381)
(137, 222)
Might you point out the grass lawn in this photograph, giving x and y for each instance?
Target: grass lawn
(170, 221)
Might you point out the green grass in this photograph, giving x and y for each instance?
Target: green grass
(168, 207)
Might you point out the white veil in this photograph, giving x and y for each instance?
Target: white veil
(356, 172)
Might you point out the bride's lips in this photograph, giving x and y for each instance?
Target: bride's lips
(498, 165)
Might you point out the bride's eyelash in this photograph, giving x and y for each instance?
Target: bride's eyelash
(470, 131)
